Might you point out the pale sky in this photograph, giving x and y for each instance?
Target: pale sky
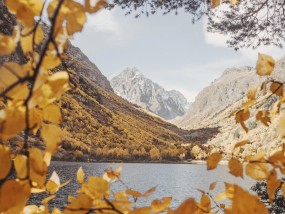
(168, 49)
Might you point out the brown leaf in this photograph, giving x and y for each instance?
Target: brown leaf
(242, 116)
(276, 88)
(235, 167)
(241, 143)
(213, 185)
(272, 184)
(160, 205)
(188, 206)
(243, 202)
(257, 171)
(264, 117)
(213, 160)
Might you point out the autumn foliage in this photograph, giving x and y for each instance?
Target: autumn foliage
(29, 92)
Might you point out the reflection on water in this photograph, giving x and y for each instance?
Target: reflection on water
(179, 181)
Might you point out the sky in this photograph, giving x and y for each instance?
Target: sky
(167, 49)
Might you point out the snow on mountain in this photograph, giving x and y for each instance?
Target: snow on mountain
(133, 86)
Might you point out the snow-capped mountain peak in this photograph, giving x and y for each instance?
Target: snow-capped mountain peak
(132, 85)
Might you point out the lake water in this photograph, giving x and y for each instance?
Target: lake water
(178, 181)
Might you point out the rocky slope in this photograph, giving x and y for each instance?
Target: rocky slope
(133, 86)
(214, 105)
(222, 93)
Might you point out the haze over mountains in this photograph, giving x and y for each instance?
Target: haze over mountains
(133, 86)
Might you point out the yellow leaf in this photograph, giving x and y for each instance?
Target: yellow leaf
(96, 187)
(272, 184)
(213, 160)
(7, 45)
(25, 10)
(235, 167)
(14, 196)
(53, 183)
(264, 117)
(228, 193)
(56, 211)
(92, 6)
(241, 143)
(81, 202)
(76, 17)
(47, 199)
(257, 171)
(5, 162)
(205, 203)
(234, 2)
(188, 206)
(52, 114)
(51, 61)
(243, 202)
(20, 92)
(265, 65)
(159, 206)
(27, 40)
(80, 175)
(58, 84)
(37, 167)
(276, 88)
(8, 118)
(47, 158)
(251, 94)
(21, 166)
(133, 193)
(51, 135)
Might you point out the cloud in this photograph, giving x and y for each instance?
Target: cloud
(104, 21)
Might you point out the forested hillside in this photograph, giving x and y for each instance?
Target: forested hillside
(100, 125)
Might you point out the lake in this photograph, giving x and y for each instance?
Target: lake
(178, 181)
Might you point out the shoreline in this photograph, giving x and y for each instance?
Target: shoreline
(222, 162)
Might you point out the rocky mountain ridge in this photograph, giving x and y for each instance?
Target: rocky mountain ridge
(215, 104)
(222, 93)
(133, 86)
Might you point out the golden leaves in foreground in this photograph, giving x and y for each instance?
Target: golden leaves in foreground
(265, 65)
(80, 175)
(272, 184)
(7, 45)
(160, 205)
(14, 196)
(213, 160)
(5, 162)
(243, 202)
(25, 11)
(257, 171)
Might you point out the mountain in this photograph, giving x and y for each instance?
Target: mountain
(100, 125)
(215, 104)
(133, 86)
(221, 93)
